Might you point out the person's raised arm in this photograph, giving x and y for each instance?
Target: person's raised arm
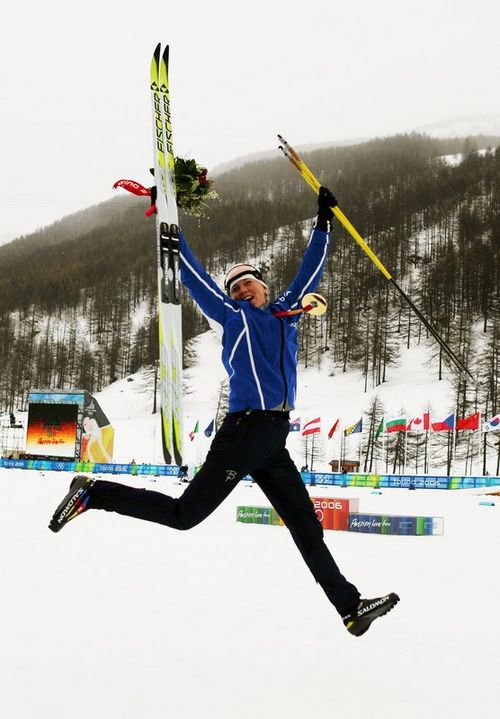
(211, 300)
(313, 260)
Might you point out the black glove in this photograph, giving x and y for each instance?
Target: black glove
(325, 202)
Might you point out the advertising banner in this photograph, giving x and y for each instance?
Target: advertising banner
(398, 481)
(97, 434)
(258, 515)
(51, 430)
(394, 524)
(334, 513)
(68, 425)
(60, 465)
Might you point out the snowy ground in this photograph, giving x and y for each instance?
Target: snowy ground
(123, 619)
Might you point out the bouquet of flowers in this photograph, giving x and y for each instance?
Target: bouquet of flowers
(193, 187)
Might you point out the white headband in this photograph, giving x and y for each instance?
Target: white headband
(242, 272)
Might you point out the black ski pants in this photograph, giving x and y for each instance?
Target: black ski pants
(253, 443)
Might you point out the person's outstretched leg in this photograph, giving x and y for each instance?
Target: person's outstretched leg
(281, 482)
(243, 440)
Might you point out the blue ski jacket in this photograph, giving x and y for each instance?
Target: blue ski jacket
(259, 351)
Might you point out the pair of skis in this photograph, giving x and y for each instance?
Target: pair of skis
(167, 237)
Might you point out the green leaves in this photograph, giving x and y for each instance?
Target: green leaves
(193, 187)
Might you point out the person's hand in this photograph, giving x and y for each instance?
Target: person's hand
(325, 203)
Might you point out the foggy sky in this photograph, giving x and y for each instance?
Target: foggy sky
(74, 95)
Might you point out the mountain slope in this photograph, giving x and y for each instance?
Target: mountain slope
(78, 309)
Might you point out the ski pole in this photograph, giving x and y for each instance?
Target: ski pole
(315, 185)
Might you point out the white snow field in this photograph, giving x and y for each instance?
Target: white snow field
(119, 618)
(122, 619)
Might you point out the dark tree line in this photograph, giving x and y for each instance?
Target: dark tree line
(78, 299)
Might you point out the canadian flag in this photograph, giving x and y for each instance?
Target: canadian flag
(419, 424)
(312, 427)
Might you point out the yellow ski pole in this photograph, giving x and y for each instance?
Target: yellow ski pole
(293, 156)
(308, 176)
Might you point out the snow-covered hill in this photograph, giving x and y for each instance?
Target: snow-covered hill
(411, 389)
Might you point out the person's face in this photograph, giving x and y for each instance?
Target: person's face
(250, 290)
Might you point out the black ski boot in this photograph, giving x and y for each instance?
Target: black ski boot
(358, 621)
(74, 503)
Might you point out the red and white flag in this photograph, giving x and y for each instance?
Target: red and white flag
(419, 424)
(312, 427)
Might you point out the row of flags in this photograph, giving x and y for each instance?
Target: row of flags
(207, 432)
(421, 423)
(314, 427)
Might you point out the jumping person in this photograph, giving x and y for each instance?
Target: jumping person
(259, 352)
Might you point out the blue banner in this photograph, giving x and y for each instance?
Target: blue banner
(377, 481)
(48, 465)
(402, 481)
(395, 524)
